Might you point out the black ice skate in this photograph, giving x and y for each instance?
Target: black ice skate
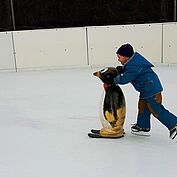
(136, 130)
(173, 133)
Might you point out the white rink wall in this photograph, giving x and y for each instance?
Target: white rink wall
(85, 46)
(6, 51)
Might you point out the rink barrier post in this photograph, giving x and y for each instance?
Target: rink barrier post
(162, 45)
(14, 52)
(87, 44)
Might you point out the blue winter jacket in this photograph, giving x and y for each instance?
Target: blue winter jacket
(138, 71)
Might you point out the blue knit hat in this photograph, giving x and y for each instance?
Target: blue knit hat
(125, 50)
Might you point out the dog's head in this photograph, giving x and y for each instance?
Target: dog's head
(107, 75)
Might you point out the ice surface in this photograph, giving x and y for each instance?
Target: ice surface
(45, 117)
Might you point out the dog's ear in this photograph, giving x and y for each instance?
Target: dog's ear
(113, 71)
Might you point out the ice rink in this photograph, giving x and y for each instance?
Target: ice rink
(45, 117)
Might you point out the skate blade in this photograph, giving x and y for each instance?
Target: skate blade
(97, 131)
(141, 133)
(95, 135)
(174, 137)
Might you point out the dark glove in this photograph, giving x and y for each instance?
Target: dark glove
(120, 69)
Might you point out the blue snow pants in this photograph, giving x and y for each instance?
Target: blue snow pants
(153, 105)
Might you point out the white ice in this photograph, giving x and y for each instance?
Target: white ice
(45, 117)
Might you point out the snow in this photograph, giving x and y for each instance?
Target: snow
(45, 117)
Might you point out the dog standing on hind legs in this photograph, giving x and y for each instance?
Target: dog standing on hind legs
(113, 108)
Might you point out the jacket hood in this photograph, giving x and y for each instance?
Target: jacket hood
(138, 60)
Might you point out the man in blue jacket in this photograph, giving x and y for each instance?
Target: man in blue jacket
(138, 71)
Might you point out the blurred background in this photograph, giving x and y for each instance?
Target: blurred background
(40, 14)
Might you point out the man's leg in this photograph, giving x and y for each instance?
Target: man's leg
(158, 110)
(142, 127)
(143, 119)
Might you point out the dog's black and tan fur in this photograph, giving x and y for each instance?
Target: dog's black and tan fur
(114, 107)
